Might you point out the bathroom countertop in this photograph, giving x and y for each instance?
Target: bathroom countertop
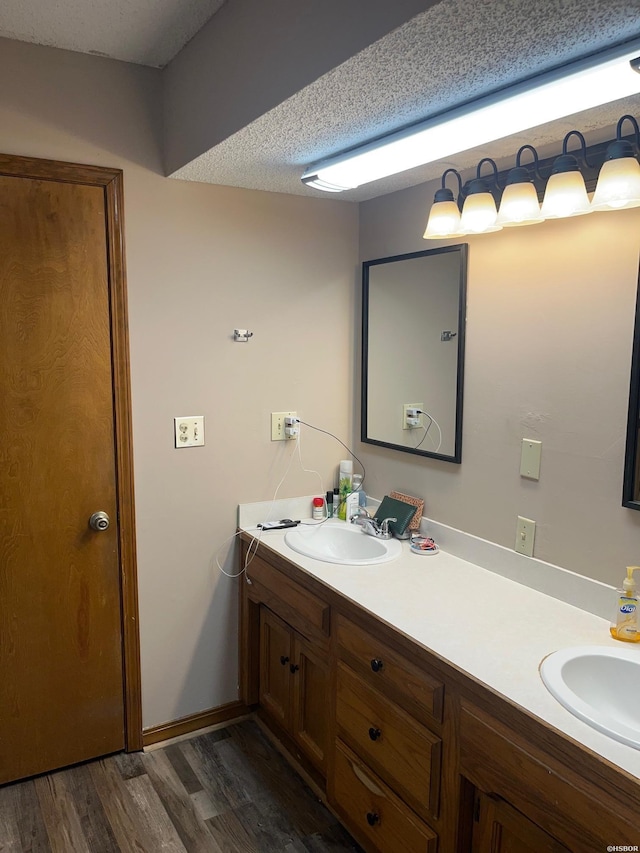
(489, 627)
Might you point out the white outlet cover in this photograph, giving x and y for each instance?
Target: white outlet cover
(189, 431)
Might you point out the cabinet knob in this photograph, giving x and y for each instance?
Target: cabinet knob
(376, 664)
(283, 660)
(373, 818)
(294, 667)
(374, 734)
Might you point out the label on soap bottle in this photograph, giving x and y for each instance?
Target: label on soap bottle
(626, 627)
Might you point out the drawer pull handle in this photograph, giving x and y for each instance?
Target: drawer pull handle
(374, 734)
(376, 664)
(373, 818)
(293, 667)
(283, 660)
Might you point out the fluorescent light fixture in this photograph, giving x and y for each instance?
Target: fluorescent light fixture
(578, 86)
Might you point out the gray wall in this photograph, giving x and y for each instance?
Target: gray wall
(550, 314)
(202, 260)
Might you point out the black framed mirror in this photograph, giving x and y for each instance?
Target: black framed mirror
(631, 484)
(413, 337)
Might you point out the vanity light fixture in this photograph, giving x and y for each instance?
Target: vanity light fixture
(520, 205)
(612, 169)
(479, 212)
(578, 86)
(566, 192)
(619, 181)
(444, 216)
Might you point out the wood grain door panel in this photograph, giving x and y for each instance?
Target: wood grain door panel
(61, 643)
(275, 662)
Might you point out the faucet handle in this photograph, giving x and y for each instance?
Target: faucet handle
(384, 526)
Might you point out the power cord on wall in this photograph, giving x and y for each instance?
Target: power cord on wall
(427, 428)
(255, 540)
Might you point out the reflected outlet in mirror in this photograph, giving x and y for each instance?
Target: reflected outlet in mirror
(413, 332)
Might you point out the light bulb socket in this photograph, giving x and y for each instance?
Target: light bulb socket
(618, 149)
(565, 163)
(519, 175)
(443, 194)
(477, 185)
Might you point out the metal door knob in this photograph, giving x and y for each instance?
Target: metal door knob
(99, 521)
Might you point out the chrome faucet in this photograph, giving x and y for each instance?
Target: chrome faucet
(369, 525)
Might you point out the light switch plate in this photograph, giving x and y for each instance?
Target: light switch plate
(525, 534)
(530, 458)
(189, 431)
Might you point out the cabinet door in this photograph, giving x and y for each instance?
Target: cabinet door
(275, 663)
(311, 701)
(502, 829)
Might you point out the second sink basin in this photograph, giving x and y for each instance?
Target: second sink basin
(337, 542)
(600, 685)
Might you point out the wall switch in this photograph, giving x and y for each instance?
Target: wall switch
(530, 458)
(409, 421)
(525, 534)
(189, 431)
(277, 426)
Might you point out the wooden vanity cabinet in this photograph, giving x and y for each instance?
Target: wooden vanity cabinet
(294, 686)
(499, 828)
(536, 790)
(285, 661)
(413, 754)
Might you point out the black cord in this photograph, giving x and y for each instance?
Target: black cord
(426, 429)
(350, 452)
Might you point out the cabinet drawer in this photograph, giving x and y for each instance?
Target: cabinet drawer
(403, 752)
(304, 611)
(412, 688)
(373, 811)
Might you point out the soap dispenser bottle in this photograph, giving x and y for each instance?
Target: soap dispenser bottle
(626, 624)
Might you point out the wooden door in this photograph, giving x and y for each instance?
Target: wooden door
(502, 829)
(65, 632)
(311, 701)
(275, 667)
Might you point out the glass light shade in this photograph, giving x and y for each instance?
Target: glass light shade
(566, 195)
(479, 214)
(444, 221)
(519, 205)
(618, 185)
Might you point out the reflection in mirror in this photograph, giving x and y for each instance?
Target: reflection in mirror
(631, 487)
(413, 328)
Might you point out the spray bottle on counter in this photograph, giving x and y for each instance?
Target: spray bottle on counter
(345, 487)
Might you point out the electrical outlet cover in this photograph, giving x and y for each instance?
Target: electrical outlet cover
(277, 426)
(189, 431)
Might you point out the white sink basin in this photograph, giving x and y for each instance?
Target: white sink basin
(337, 542)
(600, 685)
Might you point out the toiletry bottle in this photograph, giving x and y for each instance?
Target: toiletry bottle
(351, 504)
(345, 480)
(626, 625)
(329, 501)
(317, 512)
(336, 502)
(357, 487)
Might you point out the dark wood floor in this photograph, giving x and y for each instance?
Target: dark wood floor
(227, 790)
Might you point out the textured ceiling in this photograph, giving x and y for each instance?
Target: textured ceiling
(148, 32)
(450, 54)
(454, 52)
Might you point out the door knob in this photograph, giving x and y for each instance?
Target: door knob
(99, 521)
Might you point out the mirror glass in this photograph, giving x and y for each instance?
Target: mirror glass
(631, 487)
(413, 328)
